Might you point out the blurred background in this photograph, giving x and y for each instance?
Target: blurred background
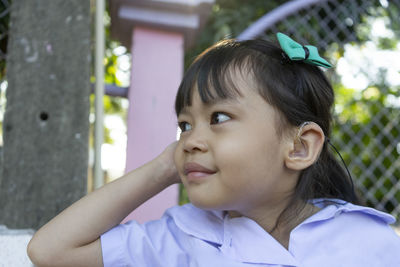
(360, 37)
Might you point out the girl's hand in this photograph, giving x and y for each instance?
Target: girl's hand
(166, 161)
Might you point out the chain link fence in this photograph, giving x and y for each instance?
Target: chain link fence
(367, 129)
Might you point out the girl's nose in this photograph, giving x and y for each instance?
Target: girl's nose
(196, 141)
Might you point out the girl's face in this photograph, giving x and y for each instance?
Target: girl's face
(229, 156)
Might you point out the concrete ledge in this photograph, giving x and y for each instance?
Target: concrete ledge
(13, 245)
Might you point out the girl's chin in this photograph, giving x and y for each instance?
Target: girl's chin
(206, 203)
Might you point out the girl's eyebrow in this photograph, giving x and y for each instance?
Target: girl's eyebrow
(223, 101)
(213, 102)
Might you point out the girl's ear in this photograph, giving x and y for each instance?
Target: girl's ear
(305, 148)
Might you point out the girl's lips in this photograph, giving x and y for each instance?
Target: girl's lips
(195, 171)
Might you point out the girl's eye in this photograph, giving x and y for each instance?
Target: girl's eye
(219, 117)
(184, 126)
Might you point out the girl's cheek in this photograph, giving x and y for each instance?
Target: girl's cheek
(232, 142)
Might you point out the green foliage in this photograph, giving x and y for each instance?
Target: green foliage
(4, 22)
(112, 105)
(227, 20)
(386, 43)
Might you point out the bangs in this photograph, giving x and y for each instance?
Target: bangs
(212, 74)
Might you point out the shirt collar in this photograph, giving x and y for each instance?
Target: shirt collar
(241, 239)
(244, 240)
(203, 224)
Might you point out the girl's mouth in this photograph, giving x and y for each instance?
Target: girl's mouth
(194, 171)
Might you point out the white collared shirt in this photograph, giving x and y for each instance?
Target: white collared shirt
(340, 234)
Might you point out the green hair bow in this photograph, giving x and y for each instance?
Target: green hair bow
(296, 51)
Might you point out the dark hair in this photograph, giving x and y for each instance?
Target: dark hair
(299, 91)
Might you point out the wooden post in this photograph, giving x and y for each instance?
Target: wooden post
(46, 123)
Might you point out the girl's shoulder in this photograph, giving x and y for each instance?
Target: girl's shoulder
(341, 221)
(347, 235)
(334, 208)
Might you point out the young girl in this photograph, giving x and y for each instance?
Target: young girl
(255, 160)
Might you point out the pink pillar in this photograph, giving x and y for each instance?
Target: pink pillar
(157, 67)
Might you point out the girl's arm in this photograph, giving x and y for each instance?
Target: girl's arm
(72, 237)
